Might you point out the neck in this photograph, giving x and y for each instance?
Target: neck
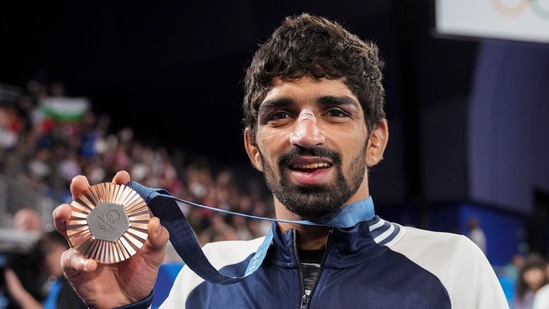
(311, 237)
(308, 237)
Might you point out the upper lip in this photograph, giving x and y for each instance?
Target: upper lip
(309, 163)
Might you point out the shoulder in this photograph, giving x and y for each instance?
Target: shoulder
(457, 262)
(541, 298)
(543, 291)
(431, 248)
(412, 239)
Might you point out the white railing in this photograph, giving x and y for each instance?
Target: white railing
(15, 195)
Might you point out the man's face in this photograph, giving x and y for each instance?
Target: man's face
(312, 145)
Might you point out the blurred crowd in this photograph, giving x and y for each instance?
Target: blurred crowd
(45, 149)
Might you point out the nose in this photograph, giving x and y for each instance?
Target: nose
(306, 133)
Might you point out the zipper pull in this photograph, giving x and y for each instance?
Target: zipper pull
(304, 302)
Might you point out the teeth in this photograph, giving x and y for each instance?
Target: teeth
(313, 166)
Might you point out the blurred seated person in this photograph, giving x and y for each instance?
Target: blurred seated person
(511, 269)
(60, 294)
(531, 278)
(27, 220)
(20, 254)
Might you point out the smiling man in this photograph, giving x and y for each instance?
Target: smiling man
(310, 123)
(314, 124)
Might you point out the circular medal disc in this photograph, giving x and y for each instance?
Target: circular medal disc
(108, 223)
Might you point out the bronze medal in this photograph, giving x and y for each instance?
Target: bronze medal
(108, 223)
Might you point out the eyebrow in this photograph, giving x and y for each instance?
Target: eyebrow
(275, 103)
(327, 100)
(330, 100)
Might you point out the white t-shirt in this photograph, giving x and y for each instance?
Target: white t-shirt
(541, 298)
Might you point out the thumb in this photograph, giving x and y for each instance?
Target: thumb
(158, 235)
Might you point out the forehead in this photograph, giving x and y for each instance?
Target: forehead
(307, 88)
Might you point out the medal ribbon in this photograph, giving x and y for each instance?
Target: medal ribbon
(167, 208)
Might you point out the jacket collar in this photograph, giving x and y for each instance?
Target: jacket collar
(358, 234)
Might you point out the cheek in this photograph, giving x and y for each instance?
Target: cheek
(353, 145)
(272, 145)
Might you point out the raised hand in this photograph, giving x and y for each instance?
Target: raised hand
(111, 285)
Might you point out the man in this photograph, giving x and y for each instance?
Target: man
(313, 124)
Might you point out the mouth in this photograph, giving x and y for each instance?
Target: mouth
(310, 170)
(309, 164)
(310, 167)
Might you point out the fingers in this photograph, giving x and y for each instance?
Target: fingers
(73, 263)
(122, 177)
(61, 215)
(158, 235)
(154, 249)
(78, 185)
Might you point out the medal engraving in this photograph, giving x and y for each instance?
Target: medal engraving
(108, 223)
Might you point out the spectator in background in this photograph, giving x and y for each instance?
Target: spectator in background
(23, 258)
(27, 220)
(217, 230)
(511, 269)
(532, 276)
(60, 294)
(10, 126)
(476, 234)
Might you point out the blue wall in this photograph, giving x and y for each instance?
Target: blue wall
(504, 230)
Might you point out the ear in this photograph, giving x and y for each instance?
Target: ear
(252, 150)
(377, 143)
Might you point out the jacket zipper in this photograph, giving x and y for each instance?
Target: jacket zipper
(304, 302)
(306, 299)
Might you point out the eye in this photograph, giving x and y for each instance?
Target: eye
(274, 117)
(279, 115)
(336, 112)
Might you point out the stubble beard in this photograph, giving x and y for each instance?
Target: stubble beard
(315, 201)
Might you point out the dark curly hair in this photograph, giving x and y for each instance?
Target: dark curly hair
(316, 47)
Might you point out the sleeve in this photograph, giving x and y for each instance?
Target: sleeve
(541, 298)
(459, 264)
(469, 276)
(142, 304)
(488, 290)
